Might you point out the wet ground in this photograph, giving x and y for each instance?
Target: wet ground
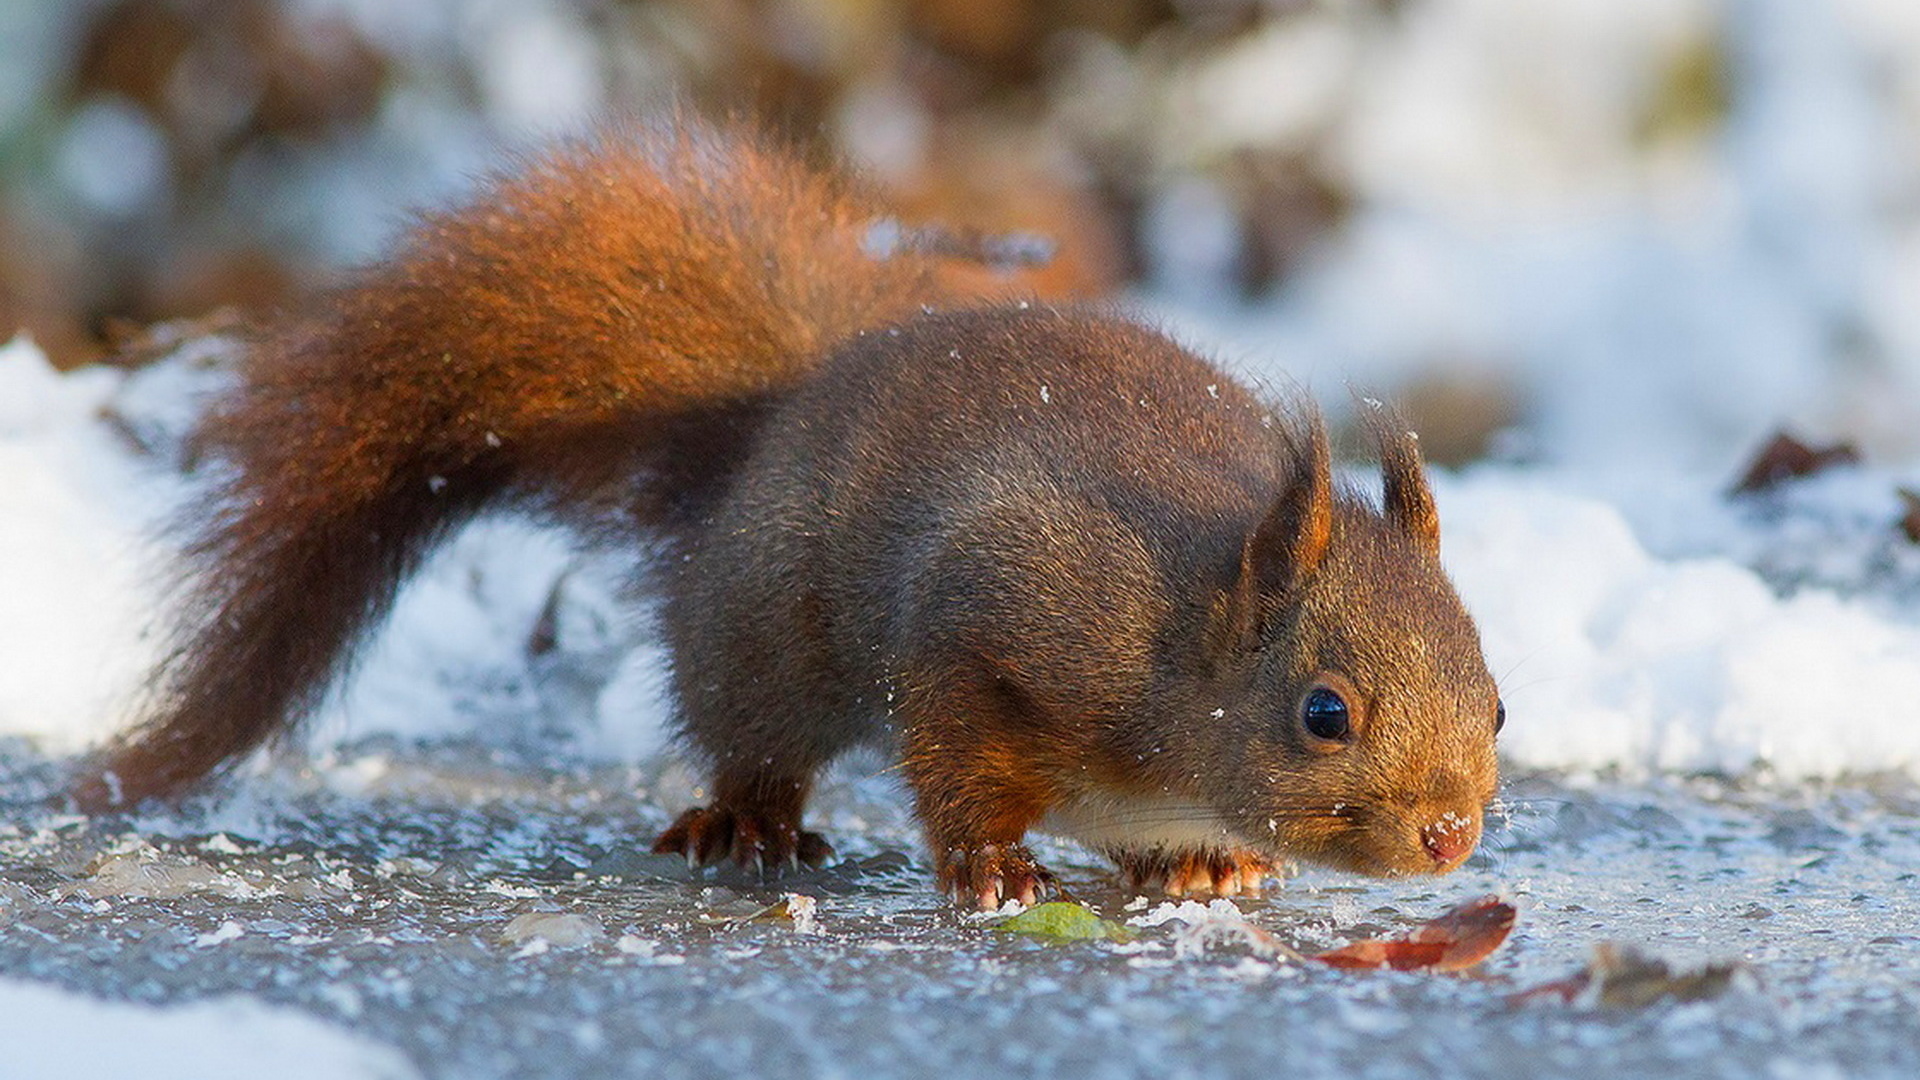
(490, 917)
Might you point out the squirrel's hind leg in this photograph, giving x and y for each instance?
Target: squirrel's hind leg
(760, 697)
(753, 821)
(768, 722)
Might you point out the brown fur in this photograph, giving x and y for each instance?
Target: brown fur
(596, 335)
(1079, 577)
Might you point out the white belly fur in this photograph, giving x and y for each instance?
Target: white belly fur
(1139, 823)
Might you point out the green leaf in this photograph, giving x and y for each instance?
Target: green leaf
(1060, 921)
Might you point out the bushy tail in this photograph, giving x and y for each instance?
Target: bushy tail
(595, 334)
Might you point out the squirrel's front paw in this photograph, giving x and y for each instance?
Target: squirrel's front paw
(1184, 873)
(986, 876)
(710, 834)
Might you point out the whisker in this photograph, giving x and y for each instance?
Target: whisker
(1519, 817)
(1500, 680)
(1543, 680)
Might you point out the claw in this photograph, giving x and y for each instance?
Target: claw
(710, 834)
(1195, 873)
(813, 849)
(986, 876)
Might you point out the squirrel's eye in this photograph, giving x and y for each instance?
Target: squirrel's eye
(1325, 714)
(1499, 716)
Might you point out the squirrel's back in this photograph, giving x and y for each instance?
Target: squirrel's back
(922, 458)
(907, 426)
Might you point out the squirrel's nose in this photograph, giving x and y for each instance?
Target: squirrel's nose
(1450, 839)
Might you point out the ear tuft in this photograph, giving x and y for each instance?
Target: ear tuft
(1407, 497)
(1292, 539)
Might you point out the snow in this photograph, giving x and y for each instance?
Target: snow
(82, 577)
(1660, 300)
(1613, 656)
(51, 1034)
(73, 595)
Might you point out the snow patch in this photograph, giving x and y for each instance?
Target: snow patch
(51, 1034)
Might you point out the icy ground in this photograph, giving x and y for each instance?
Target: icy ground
(484, 916)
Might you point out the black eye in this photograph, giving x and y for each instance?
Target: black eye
(1499, 716)
(1325, 714)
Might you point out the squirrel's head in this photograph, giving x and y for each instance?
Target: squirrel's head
(1361, 707)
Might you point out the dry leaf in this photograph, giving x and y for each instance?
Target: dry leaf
(1455, 941)
(1786, 458)
(1622, 977)
(1910, 523)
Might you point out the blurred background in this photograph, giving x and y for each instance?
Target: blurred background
(1600, 233)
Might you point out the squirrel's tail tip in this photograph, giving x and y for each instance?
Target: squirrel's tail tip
(96, 787)
(95, 790)
(124, 775)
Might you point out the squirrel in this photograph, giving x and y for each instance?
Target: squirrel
(1080, 579)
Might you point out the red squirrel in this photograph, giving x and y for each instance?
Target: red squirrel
(1080, 579)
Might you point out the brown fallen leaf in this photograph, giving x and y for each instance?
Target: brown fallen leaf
(1621, 977)
(1455, 941)
(1786, 458)
(1376, 953)
(1910, 523)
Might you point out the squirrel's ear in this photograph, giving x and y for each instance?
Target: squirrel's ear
(1289, 542)
(1292, 538)
(1407, 497)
